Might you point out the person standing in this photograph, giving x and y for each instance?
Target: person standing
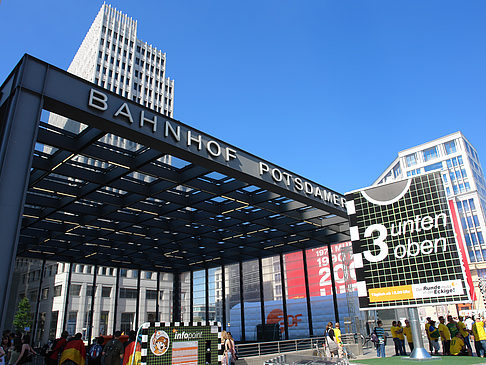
(113, 351)
(465, 332)
(380, 333)
(94, 353)
(452, 325)
(16, 350)
(479, 336)
(407, 331)
(27, 352)
(401, 338)
(74, 352)
(427, 325)
(394, 332)
(337, 336)
(434, 337)
(445, 336)
(57, 347)
(229, 348)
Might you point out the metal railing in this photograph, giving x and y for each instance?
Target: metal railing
(277, 347)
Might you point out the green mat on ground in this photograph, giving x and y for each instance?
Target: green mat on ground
(444, 360)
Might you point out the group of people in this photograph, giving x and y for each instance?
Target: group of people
(451, 336)
(66, 350)
(333, 344)
(15, 349)
(72, 351)
(456, 335)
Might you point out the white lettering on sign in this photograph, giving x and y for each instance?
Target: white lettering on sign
(214, 149)
(411, 249)
(299, 185)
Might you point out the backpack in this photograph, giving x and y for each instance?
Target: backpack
(95, 351)
(374, 337)
(110, 349)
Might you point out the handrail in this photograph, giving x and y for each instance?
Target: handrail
(277, 347)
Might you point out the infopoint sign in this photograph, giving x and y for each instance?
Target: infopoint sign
(181, 343)
(406, 251)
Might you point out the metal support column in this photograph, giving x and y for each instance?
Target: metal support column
(191, 309)
(419, 352)
(117, 289)
(242, 303)
(262, 299)
(177, 298)
(18, 133)
(157, 303)
(93, 295)
(206, 289)
(307, 293)
(223, 294)
(333, 284)
(66, 300)
(39, 291)
(137, 310)
(284, 297)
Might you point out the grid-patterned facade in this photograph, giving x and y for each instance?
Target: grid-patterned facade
(463, 180)
(113, 57)
(417, 253)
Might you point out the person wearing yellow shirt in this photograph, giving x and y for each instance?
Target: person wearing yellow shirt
(479, 336)
(337, 337)
(401, 337)
(445, 336)
(465, 334)
(394, 332)
(457, 345)
(407, 331)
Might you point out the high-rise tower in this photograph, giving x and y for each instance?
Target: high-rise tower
(113, 57)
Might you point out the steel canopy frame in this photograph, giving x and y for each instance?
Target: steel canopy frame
(69, 195)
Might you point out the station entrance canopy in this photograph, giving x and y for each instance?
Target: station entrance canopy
(73, 194)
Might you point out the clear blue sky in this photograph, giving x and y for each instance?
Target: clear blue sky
(331, 90)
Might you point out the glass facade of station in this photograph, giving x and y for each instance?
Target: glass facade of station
(299, 286)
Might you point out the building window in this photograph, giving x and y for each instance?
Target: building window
(74, 290)
(71, 322)
(430, 153)
(123, 273)
(103, 322)
(434, 166)
(106, 291)
(128, 293)
(45, 293)
(148, 275)
(151, 294)
(57, 290)
(450, 147)
(127, 322)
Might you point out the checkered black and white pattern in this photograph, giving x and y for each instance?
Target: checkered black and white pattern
(211, 332)
(425, 197)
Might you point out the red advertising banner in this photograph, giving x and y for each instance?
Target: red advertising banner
(319, 271)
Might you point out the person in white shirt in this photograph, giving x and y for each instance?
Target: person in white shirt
(469, 322)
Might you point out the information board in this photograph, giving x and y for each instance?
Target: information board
(196, 343)
(405, 248)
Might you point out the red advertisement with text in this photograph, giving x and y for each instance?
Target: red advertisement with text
(319, 271)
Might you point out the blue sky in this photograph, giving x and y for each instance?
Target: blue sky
(331, 90)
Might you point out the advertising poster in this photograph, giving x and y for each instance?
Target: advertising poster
(181, 343)
(319, 271)
(405, 247)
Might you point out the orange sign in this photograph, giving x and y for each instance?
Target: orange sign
(391, 293)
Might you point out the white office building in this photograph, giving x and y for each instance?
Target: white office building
(464, 182)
